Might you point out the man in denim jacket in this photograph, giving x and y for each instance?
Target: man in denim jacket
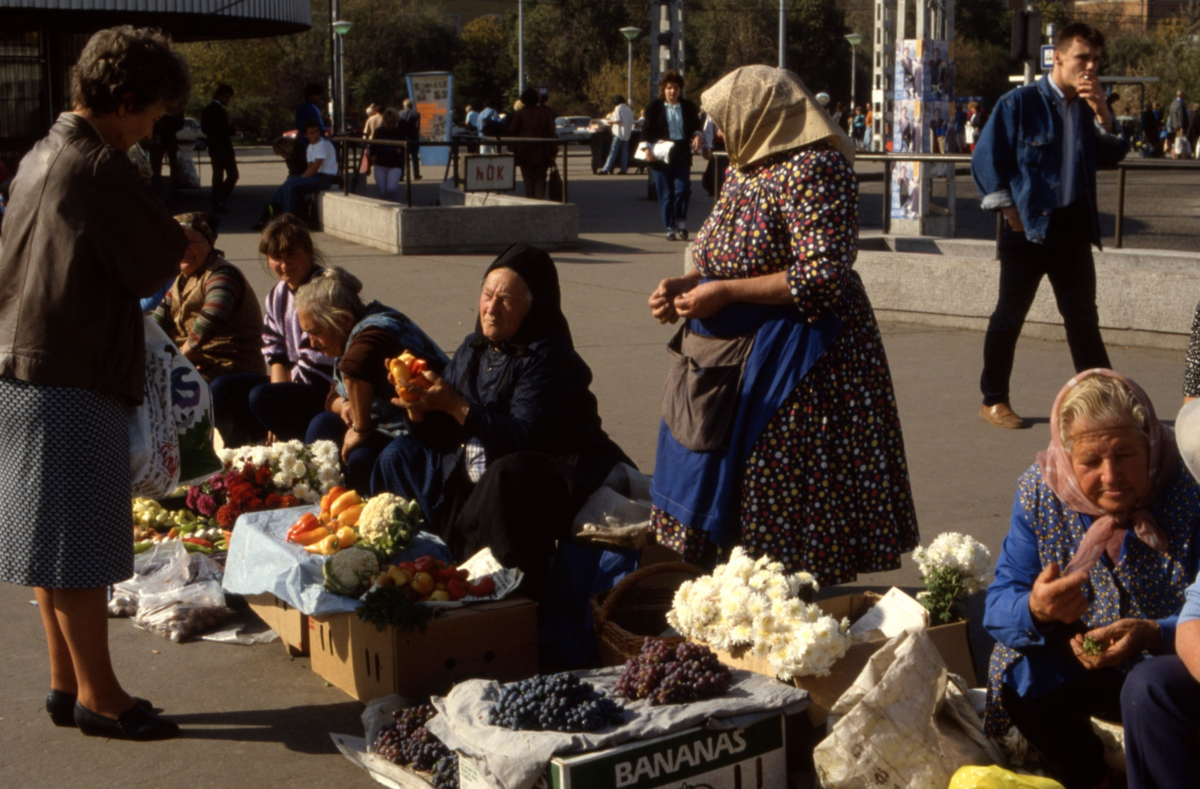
(1035, 162)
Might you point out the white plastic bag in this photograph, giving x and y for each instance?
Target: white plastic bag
(164, 567)
(1183, 149)
(153, 439)
(183, 613)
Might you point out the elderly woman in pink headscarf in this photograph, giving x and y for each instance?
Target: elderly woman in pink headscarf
(1091, 578)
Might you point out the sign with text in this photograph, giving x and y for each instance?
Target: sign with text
(486, 173)
(432, 94)
(1047, 57)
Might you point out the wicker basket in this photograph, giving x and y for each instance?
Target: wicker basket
(636, 608)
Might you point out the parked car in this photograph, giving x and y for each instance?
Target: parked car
(573, 127)
(191, 131)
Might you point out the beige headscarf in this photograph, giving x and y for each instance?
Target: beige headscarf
(763, 110)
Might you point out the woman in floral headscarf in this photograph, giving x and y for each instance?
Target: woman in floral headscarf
(805, 462)
(1092, 574)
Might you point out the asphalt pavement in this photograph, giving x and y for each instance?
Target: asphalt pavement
(255, 717)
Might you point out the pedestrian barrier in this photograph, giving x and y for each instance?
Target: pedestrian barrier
(1143, 164)
(347, 146)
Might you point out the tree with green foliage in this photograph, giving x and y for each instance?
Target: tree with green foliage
(485, 67)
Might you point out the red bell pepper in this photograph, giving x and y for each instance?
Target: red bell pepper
(198, 541)
(445, 574)
(482, 588)
(456, 588)
(462, 575)
(426, 564)
(410, 566)
(417, 367)
(305, 523)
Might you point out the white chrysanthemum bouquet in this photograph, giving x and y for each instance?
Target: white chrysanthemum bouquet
(754, 604)
(954, 567)
(304, 471)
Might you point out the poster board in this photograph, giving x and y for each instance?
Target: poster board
(432, 93)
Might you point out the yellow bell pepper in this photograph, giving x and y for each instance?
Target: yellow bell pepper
(312, 536)
(347, 536)
(325, 547)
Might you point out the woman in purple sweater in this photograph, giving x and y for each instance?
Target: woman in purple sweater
(253, 409)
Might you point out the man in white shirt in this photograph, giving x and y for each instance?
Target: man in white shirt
(621, 120)
(320, 174)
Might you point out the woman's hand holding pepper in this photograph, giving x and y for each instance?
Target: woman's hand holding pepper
(1058, 598)
(439, 395)
(1124, 639)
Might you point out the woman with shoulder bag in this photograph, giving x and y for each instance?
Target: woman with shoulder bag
(83, 240)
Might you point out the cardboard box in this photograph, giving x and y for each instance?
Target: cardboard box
(290, 624)
(484, 641)
(951, 641)
(749, 758)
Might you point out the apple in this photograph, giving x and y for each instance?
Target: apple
(441, 596)
(422, 583)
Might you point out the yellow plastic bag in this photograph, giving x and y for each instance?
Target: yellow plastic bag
(994, 777)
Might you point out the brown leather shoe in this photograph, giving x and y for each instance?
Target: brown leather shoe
(1001, 415)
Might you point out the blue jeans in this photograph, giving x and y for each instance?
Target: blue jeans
(1160, 707)
(673, 183)
(299, 185)
(619, 147)
(246, 406)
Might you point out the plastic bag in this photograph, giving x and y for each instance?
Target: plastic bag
(182, 613)
(994, 777)
(202, 568)
(905, 722)
(164, 567)
(153, 440)
(192, 413)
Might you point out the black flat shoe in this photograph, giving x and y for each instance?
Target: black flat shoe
(134, 723)
(61, 706)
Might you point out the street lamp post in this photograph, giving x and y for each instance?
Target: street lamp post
(782, 34)
(630, 34)
(855, 39)
(341, 28)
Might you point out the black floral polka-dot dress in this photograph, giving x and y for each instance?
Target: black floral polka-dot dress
(825, 488)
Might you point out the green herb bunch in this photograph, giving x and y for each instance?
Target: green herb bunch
(1093, 647)
(391, 606)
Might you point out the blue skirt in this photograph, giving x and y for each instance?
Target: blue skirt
(65, 517)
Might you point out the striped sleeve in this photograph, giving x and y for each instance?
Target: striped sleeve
(223, 291)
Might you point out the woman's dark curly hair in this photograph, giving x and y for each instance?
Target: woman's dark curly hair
(134, 63)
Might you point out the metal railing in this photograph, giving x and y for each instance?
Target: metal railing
(1143, 164)
(897, 158)
(346, 144)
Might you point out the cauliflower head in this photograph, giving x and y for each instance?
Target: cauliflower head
(389, 522)
(349, 572)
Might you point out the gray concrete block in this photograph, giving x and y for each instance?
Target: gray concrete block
(363, 220)
(483, 223)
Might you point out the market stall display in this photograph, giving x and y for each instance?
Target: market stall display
(754, 604)
(953, 567)
(668, 673)
(560, 702)
(497, 756)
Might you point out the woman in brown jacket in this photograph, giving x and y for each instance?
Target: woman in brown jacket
(211, 311)
(533, 120)
(83, 240)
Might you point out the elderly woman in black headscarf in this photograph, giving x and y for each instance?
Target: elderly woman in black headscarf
(507, 445)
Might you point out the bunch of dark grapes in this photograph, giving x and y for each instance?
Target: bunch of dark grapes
(668, 674)
(559, 702)
(408, 742)
(445, 772)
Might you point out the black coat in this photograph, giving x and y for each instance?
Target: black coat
(214, 122)
(656, 128)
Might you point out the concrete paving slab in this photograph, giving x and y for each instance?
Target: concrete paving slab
(255, 717)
